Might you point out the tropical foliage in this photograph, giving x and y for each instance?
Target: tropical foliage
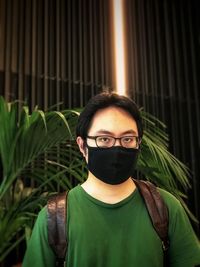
(35, 159)
(158, 165)
(39, 156)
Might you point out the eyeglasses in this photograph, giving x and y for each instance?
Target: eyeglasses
(109, 141)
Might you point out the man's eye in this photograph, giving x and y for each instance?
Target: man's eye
(128, 139)
(104, 139)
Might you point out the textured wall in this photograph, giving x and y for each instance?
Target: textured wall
(54, 51)
(164, 62)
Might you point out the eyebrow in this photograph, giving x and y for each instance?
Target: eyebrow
(102, 131)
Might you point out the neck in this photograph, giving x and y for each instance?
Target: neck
(106, 192)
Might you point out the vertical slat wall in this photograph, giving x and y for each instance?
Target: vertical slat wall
(54, 51)
(163, 63)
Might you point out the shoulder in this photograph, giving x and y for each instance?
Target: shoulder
(175, 208)
(41, 222)
(42, 213)
(178, 218)
(74, 198)
(184, 244)
(75, 192)
(170, 200)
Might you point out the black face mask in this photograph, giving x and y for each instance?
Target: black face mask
(112, 165)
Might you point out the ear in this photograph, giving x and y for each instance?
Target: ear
(81, 145)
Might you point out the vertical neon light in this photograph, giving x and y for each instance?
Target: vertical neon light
(119, 47)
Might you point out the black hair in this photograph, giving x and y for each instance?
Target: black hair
(104, 100)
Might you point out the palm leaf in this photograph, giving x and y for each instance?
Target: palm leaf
(28, 143)
(166, 170)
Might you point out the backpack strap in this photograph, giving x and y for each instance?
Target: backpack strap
(56, 223)
(158, 212)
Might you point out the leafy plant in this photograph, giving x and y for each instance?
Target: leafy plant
(39, 156)
(34, 151)
(158, 165)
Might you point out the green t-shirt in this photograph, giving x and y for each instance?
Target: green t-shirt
(115, 235)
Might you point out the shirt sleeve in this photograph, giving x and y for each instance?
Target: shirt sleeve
(184, 244)
(38, 252)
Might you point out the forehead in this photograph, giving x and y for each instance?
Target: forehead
(114, 120)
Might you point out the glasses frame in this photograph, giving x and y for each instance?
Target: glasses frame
(138, 140)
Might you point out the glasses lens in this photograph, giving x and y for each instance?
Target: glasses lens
(105, 141)
(129, 141)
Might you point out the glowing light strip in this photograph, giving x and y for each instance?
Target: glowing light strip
(119, 47)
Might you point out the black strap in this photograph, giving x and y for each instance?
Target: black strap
(158, 212)
(56, 221)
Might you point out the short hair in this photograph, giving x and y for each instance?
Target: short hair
(104, 100)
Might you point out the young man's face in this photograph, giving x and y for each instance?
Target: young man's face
(111, 121)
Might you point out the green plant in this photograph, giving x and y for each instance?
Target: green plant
(160, 166)
(34, 151)
(39, 156)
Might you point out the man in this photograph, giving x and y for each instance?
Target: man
(108, 222)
